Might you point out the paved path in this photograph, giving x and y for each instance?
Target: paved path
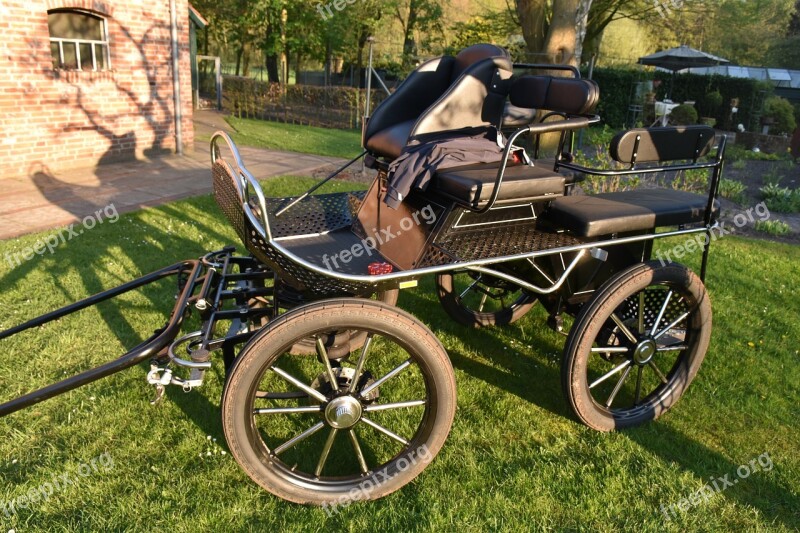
(46, 200)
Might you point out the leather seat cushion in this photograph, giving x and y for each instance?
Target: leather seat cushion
(390, 142)
(620, 212)
(472, 186)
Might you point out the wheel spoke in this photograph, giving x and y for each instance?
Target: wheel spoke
(287, 410)
(483, 302)
(264, 395)
(638, 386)
(610, 349)
(624, 328)
(302, 436)
(657, 371)
(360, 364)
(671, 348)
(359, 454)
(661, 313)
(388, 433)
(323, 355)
(396, 405)
(402, 366)
(471, 286)
(618, 386)
(299, 384)
(326, 451)
(609, 374)
(672, 325)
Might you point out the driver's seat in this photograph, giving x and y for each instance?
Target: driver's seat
(443, 94)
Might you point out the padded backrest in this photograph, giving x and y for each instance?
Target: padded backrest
(573, 96)
(417, 92)
(427, 94)
(475, 99)
(474, 54)
(662, 144)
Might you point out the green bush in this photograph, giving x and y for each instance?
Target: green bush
(684, 114)
(773, 227)
(695, 87)
(781, 199)
(615, 92)
(732, 190)
(711, 103)
(781, 111)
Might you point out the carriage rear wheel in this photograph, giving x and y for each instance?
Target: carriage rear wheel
(477, 300)
(325, 431)
(635, 348)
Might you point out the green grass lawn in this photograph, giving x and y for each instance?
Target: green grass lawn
(515, 459)
(294, 138)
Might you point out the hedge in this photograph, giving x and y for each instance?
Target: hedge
(334, 107)
(617, 88)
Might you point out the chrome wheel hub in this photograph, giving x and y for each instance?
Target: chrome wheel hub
(644, 352)
(343, 412)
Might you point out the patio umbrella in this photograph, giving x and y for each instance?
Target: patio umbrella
(679, 58)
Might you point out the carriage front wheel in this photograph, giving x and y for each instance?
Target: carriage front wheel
(636, 346)
(323, 430)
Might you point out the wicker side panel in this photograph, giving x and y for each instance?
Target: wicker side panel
(228, 198)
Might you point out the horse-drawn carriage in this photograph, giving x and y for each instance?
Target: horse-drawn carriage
(332, 391)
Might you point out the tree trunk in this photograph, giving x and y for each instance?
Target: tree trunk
(328, 59)
(559, 46)
(533, 19)
(273, 75)
(239, 53)
(581, 25)
(409, 42)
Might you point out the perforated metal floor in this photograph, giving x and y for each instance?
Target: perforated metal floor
(498, 242)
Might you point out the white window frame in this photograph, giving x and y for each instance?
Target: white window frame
(77, 42)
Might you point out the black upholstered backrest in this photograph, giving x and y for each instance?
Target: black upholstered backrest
(476, 98)
(417, 92)
(475, 54)
(662, 144)
(572, 96)
(448, 93)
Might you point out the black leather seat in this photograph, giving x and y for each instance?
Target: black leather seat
(472, 186)
(443, 94)
(626, 211)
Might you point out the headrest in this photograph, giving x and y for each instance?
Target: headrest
(475, 53)
(573, 96)
(663, 144)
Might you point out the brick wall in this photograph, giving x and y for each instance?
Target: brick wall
(64, 119)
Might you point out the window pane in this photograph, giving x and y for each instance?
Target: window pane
(70, 56)
(100, 53)
(72, 25)
(55, 54)
(86, 56)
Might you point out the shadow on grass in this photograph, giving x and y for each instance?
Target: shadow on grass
(512, 373)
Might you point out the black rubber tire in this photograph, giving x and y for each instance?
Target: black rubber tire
(464, 315)
(594, 322)
(344, 342)
(429, 361)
